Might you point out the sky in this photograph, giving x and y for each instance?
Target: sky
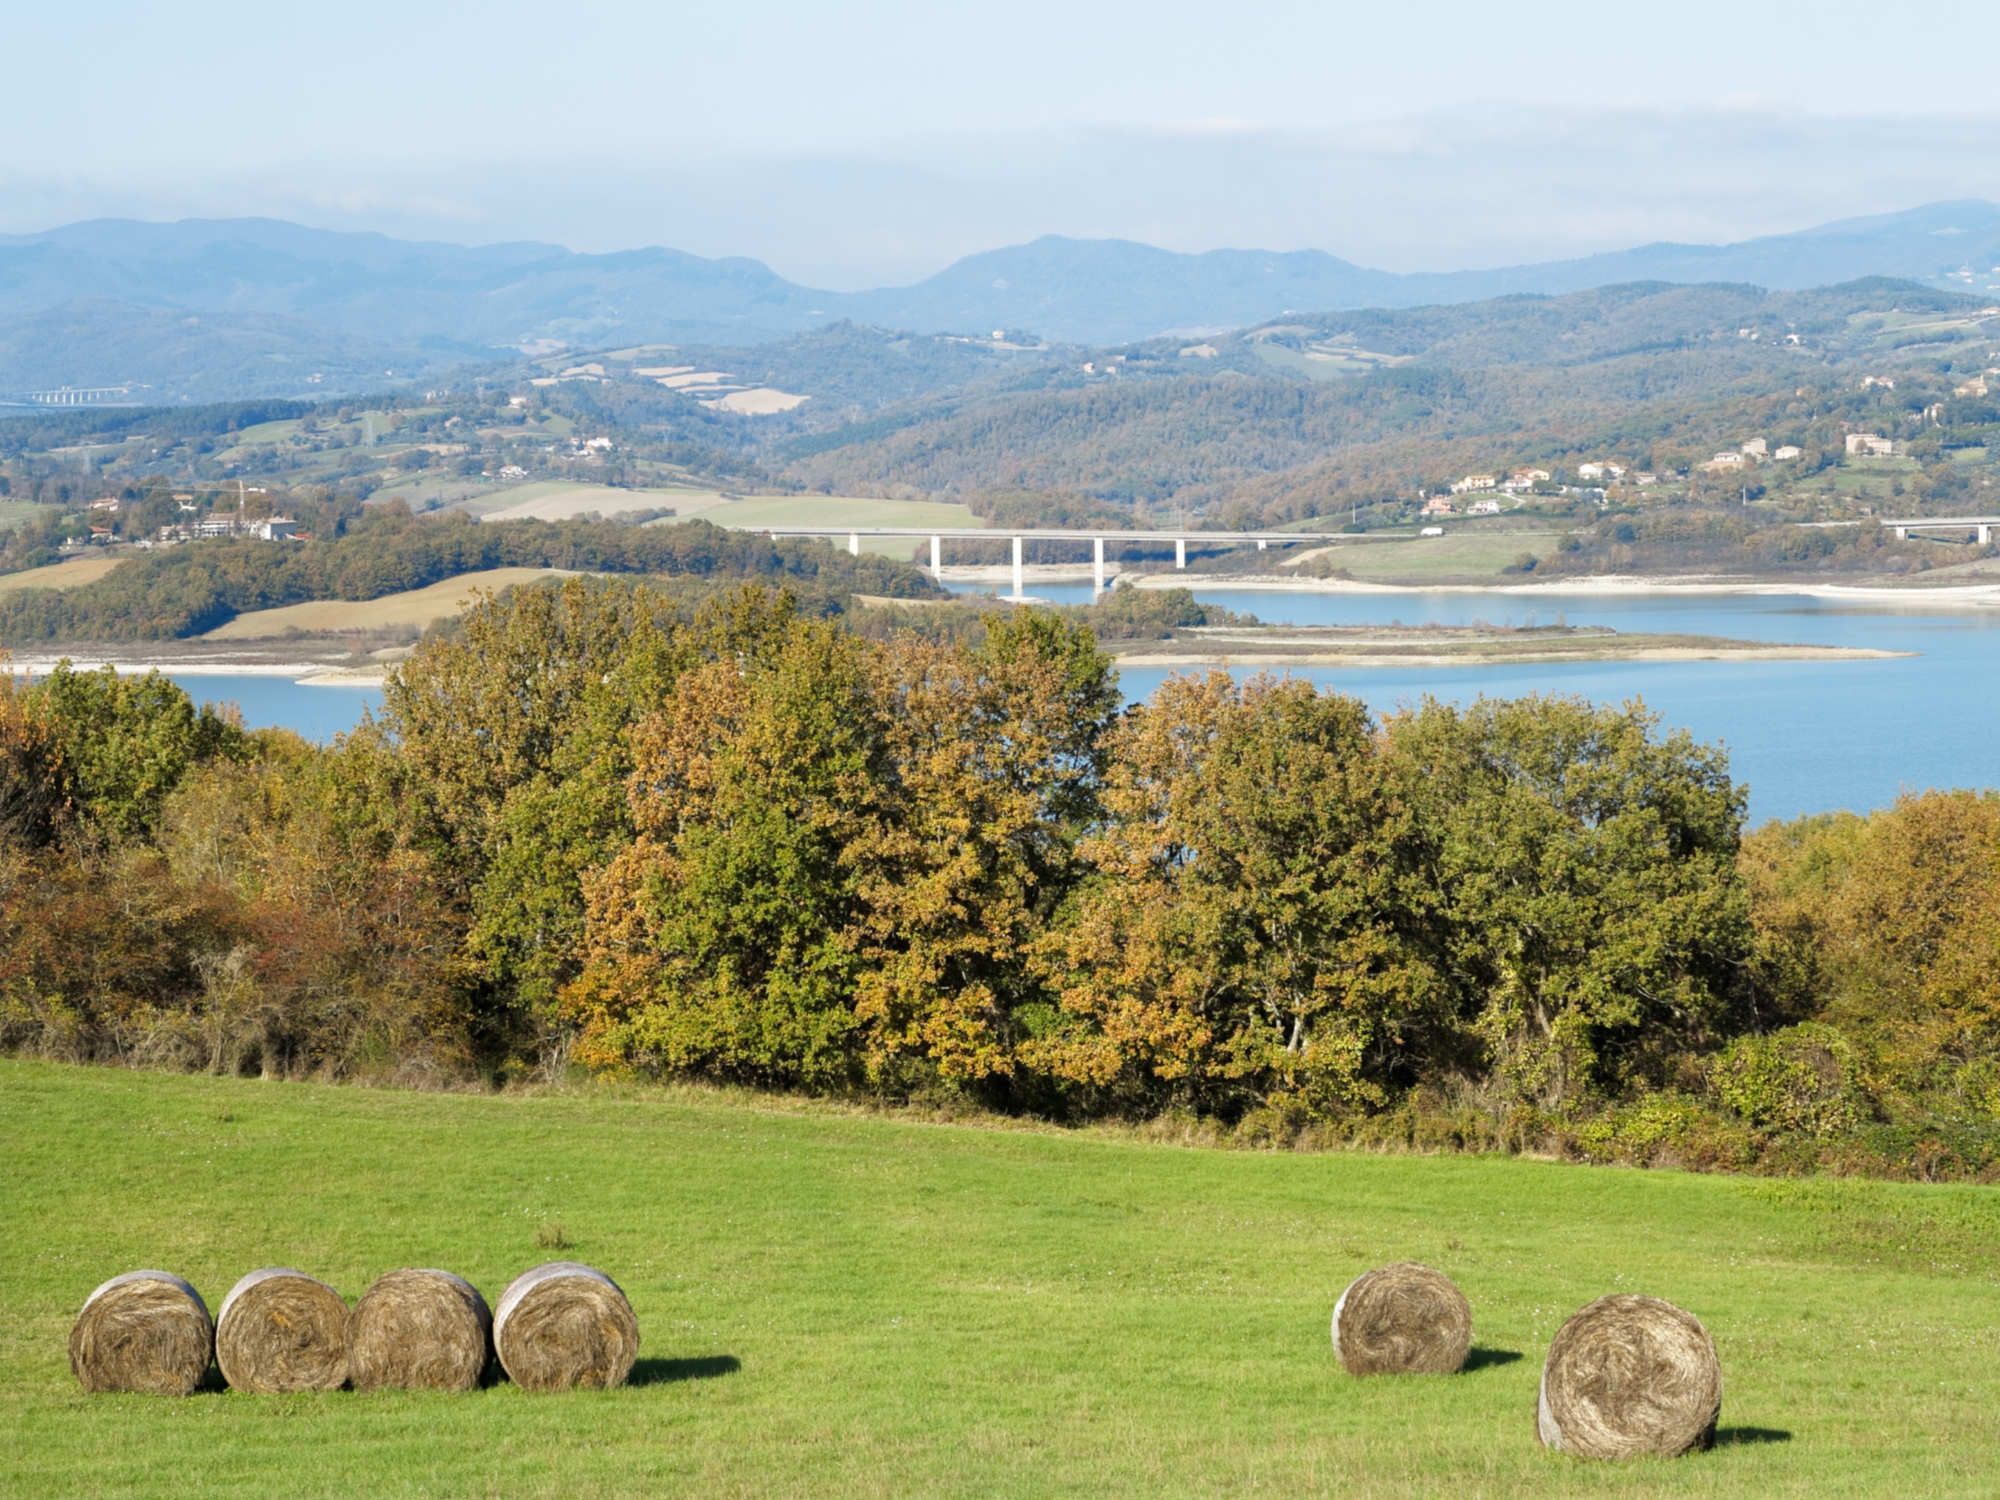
(872, 143)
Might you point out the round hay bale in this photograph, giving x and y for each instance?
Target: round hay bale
(1630, 1375)
(280, 1330)
(564, 1325)
(144, 1331)
(1404, 1319)
(418, 1330)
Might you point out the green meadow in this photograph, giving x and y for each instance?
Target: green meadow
(840, 1303)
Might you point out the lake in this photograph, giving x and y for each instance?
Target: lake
(1805, 736)
(318, 713)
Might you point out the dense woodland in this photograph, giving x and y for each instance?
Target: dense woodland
(598, 830)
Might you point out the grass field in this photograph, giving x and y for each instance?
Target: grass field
(414, 607)
(1469, 556)
(70, 573)
(835, 1304)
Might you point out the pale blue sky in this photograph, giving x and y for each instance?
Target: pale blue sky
(859, 143)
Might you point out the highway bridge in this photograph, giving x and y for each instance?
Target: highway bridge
(940, 535)
(1982, 525)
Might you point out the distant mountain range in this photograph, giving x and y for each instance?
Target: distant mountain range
(211, 309)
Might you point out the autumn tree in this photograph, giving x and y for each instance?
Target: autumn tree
(1247, 931)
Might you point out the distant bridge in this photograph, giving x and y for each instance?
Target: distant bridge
(939, 535)
(1983, 525)
(94, 395)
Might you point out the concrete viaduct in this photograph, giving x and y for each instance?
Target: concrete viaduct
(938, 537)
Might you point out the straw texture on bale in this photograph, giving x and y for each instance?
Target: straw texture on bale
(418, 1330)
(280, 1330)
(564, 1325)
(1630, 1375)
(1404, 1319)
(144, 1331)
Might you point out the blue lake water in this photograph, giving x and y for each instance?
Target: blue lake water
(1806, 736)
(318, 713)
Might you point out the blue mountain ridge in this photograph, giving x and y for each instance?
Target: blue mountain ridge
(265, 304)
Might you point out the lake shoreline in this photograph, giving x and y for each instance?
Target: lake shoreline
(1613, 585)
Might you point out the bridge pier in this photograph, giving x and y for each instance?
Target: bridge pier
(1985, 535)
(1099, 586)
(1902, 533)
(1017, 567)
(1180, 552)
(937, 556)
(853, 544)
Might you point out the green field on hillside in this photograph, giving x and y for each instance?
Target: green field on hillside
(839, 1304)
(1466, 553)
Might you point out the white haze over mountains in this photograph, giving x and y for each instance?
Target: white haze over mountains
(1474, 188)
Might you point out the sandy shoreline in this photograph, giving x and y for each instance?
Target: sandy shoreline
(1950, 595)
(1351, 659)
(305, 674)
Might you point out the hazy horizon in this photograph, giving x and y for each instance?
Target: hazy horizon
(875, 146)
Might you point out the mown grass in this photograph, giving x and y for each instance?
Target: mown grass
(834, 1303)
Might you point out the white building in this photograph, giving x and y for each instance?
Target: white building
(1475, 482)
(1870, 444)
(1788, 451)
(1755, 448)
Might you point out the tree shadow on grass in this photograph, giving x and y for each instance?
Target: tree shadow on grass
(1731, 1437)
(668, 1371)
(1486, 1359)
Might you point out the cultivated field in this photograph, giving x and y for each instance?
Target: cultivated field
(415, 607)
(70, 573)
(834, 1304)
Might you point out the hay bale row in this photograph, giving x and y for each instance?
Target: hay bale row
(1625, 1376)
(560, 1326)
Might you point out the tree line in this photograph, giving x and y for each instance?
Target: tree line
(597, 830)
(183, 591)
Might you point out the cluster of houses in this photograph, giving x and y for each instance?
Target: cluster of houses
(1744, 455)
(196, 528)
(275, 529)
(1754, 452)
